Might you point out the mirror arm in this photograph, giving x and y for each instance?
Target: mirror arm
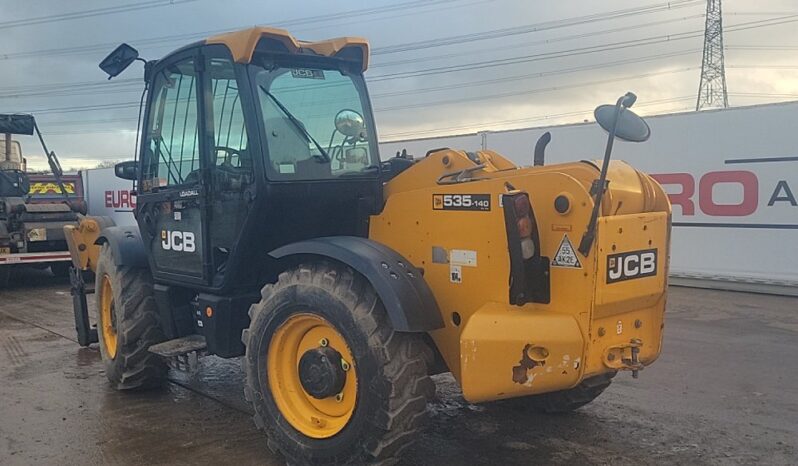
(600, 185)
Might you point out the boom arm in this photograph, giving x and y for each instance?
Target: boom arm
(52, 161)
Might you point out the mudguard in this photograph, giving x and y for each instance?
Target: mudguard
(407, 298)
(126, 245)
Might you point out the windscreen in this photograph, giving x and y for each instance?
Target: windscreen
(316, 123)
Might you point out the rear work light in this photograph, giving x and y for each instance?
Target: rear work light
(529, 271)
(526, 225)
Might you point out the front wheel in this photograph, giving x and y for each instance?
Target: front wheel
(127, 325)
(329, 379)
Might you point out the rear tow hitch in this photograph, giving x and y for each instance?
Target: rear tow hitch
(625, 357)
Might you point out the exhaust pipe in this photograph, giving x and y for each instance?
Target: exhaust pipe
(540, 149)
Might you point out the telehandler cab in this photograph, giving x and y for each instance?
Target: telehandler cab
(268, 227)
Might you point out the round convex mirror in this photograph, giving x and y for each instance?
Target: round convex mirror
(349, 123)
(630, 126)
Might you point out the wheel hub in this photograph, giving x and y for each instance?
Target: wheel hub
(321, 373)
(312, 375)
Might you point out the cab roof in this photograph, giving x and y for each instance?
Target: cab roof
(242, 45)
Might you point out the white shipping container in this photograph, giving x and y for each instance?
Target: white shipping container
(109, 196)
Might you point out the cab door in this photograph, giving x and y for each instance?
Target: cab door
(172, 183)
(234, 159)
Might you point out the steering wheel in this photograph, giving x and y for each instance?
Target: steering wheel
(229, 152)
(227, 175)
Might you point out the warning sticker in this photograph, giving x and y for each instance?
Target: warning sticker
(463, 257)
(566, 256)
(456, 274)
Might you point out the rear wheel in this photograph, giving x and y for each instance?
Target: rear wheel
(565, 401)
(127, 325)
(329, 379)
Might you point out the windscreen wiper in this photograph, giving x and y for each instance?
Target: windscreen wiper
(298, 124)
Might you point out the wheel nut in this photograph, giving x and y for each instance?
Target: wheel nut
(323, 342)
(339, 397)
(345, 365)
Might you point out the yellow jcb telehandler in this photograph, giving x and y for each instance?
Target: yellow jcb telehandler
(269, 227)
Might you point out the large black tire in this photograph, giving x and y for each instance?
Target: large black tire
(136, 323)
(565, 401)
(391, 368)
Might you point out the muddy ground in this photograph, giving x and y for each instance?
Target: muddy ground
(724, 391)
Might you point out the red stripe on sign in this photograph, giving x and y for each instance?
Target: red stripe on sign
(34, 258)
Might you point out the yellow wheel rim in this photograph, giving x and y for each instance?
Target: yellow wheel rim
(107, 314)
(313, 417)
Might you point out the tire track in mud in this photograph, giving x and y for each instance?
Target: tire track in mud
(18, 357)
(16, 353)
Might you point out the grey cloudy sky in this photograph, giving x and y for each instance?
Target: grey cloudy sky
(510, 63)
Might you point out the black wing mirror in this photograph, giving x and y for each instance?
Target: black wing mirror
(118, 60)
(126, 170)
(17, 124)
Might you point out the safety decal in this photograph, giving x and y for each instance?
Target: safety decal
(456, 274)
(472, 202)
(41, 187)
(463, 257)
(566, 255)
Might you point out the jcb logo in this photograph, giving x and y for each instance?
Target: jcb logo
(180, 241)
(630, 265)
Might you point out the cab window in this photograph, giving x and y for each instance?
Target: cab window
(232, 160)
(315, 123)
(171, 145)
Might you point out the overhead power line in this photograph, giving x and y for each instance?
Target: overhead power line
(502, 62)
(504, 95)
(90, 13)
(538, 27)
(583, 50)
(181, 38)
(761, 47)
(541, 74)
(415, 91)
(762, 67)
(502, 123)
(503, 47)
